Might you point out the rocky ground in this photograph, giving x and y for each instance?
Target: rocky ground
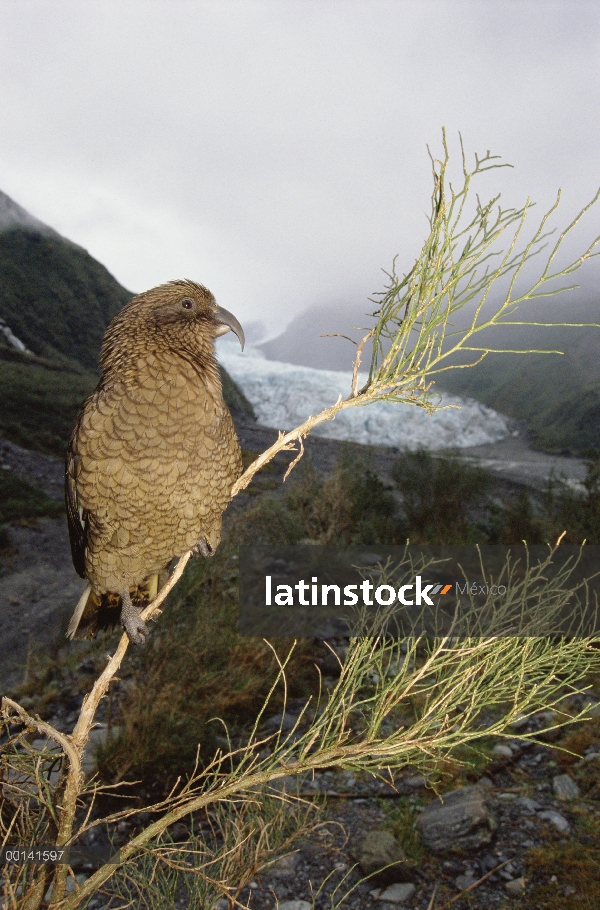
(521, 828)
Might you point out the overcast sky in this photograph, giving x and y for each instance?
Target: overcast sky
(276, 151)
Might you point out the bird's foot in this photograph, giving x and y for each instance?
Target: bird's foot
(135, 627)
(203, 548)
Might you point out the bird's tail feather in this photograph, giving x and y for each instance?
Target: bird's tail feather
(78, 613)
(95, 612)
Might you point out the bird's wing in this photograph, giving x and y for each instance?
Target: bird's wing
(76, 516)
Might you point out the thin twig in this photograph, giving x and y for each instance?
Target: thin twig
(472, 887)
(357, 361)
(41, 726)
(338, 335)
(293, 463)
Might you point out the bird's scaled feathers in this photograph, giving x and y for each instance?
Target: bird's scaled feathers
(154, 454)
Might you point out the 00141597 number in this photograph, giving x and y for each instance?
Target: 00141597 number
(36, 855)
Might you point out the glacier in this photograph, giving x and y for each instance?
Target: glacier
(284, 395)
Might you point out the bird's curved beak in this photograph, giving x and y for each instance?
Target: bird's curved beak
(226, 322)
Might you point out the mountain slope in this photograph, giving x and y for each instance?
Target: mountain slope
(557, 396)
(55, 297)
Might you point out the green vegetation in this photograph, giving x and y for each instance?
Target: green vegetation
(439, 495)
(561, 405)
(197, 667)
(241, 836)
(433, 499)
(56, 297)
(40, 402)
(19, 500)
(450, 683)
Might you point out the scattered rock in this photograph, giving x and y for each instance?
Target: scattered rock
(565, 787)
(285, 867)
(461, 822)
(97, 737)
(284, 722)
(398, 893)
(488, 862)
(502, 751)
(516, 887)
(295, 905)
(528, 805)
(415, 782)
(521, 721)
(486, 783)
(465, 881)
(556, 819)
(377, 850)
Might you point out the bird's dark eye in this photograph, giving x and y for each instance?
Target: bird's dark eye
(187, 304)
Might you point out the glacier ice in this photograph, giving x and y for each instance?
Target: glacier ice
(284, 395)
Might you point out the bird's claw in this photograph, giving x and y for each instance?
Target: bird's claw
(135, 627)
(203, 548)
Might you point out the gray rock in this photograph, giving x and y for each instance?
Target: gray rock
(285, 867)
(502, 751)
(416, 781)
(516, 887)
(295, 905)
(565, 787)
(528, 805)
(462, 821)
(98, 737)
(398, 893)
(284, 722)
(378, 849)
(465, 881)
(556, 819)
(521, 721)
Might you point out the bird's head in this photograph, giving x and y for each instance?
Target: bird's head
(182, 317)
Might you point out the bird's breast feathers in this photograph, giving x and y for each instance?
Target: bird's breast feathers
(172, 439)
